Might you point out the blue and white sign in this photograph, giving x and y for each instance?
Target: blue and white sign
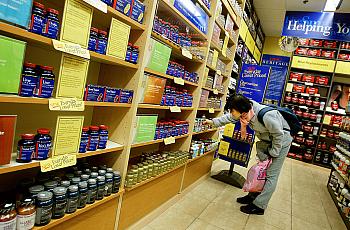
(16, 12)
(194, 13)
(279, 69)
(319, 25)
(253, 81)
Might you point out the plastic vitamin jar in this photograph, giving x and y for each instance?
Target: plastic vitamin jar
(103, 136)
(44, 208)
(25, 148)
(83, 194)
(8, 216)
(73, 197)
(59, 202)
(26, 214)
(84, 140)
(43, 143)
(101, 187)
(38, 18)
(92, 191)
(29, 80)
(93, 138)
(102, 42)
(46, 82)
(52, 24)
(93, 40)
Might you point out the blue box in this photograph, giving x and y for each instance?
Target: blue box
(16, 12)
(126, 96)
(111, 95)
(94, 93)
(138, 11)
(123, 6)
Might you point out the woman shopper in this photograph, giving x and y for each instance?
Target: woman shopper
(275, 141)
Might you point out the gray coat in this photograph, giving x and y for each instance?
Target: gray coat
(273, 136)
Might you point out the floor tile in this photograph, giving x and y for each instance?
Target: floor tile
(309, 214)
(192, 205)
(299, 224)
(253, 224)
(202, 225)
(274, 218)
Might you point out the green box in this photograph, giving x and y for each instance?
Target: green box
(145, 128)
(11, 63)
(159, 56)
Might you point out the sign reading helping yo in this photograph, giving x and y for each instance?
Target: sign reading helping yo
(318, 25)
(252, 82)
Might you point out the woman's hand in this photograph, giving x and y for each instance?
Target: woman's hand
(208, 122)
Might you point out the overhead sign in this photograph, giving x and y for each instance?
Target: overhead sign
(313, 64)
(252, 81)
(319, 25)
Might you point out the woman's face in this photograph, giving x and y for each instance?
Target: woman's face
(236, 115)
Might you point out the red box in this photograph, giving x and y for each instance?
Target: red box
(328, 54)
(330, 44)
(316, 42)
(7, 133)
(311, 90)
(295, 76)
(309, 78)
(314, 52)
(322, 80)
(299, 88)
(301, 51)
(344, 56)
(304, 41)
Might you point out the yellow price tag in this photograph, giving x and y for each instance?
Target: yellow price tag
(169, 140)
(179, 81)
(71, 48)
(58, 162)
(186, 53)
(211, 110)
(175, 109)
(66, 104)
(224, 148)
(215, 91)
(229, 130)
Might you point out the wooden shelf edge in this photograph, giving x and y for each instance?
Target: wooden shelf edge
(112, 60)
(207, 109)
(99, 152)
(147, 70)
(186, 21)
(135, 145)
(205, 8)
(205, 131)
(201, 156)
(134, 24)
(212, 90)
(150, 106)
(154, 178)
(55, 222)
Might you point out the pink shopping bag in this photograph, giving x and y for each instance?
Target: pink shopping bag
(256, 177)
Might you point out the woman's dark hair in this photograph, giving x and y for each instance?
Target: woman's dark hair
(239, 103)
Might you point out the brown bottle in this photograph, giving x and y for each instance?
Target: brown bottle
(26, 214)
(8, 216)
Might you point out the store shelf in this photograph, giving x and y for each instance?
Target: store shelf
(342, 150)
(207, 109)
(154, 178)
(323, 58)
(149, 106)
(147, 70)
(7, 98)
(205, 131)
(215, 46)
(231, 41)
(204, 7)
(55, 222)
(171, 10)
(303, 106)
(212, 90)
(309, 84)
(203, 155)
(329, 110)
(35, 39)
(232, 13)
(345, 219)
(212, 68)
(122, 17)
(136, 145)
(322, 165)
(314, 47)
(14, 166)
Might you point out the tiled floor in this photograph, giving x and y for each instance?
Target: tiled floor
(301, 202)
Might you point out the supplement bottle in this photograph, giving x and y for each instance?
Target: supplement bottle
(83, 194)
(73, 197)
(116, 181)
(102, 42)
(93, 40)
(43, 144)
(92, 191)
(8, 216)
(35, 189)
(25, 148)
(102, 172)
(109, 184)
(65, 183)
(103, 136)
(46, 82)
(94, 175)
(50, 185)
(84, 177)
(52, 24)
(26, 212)
(101, 187)
(44, 208)
(59, 202)
(37, 20)
(75, 180)
(84, 140)
(93, 138)
(29, 80)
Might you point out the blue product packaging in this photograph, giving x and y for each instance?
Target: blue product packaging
(43, 144)
(46, 82)
(108, 2)
(126, 96)
(138, 11)
(29, 80)
(16, 12)
(52, 24)
(84, 140)
(124, 6)
(94, 93)
(111, 95)
(37, 21)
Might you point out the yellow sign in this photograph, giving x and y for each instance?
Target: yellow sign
(186, 53)
(76, 22)
(224, 46)
(72, 77)
(224, 148)
(71, 48)
(257, 54)
(179, 81)
(215, 58)
(250, 43)
(211, 110)
(215, 91)
(98, 4)
(66, 104)
(58, 162)
(169, 140)
(313, 64)
(327, 119)
(67, 135)
(243, 30)
(229, 130)
(118, 39)
(343, 67)
(175, 109)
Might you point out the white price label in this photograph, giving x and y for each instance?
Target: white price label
(309, 83)
(211, 110)
(71, 48)
(305, 94)
(186, 53)
(66, 104)
(169, 140)
(175, 109)
(98, 4)
(179, 81)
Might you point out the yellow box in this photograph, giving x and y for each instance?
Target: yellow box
(313, 64)
(243, 30)
(343, 67)
(229, 129)
(257, 54)
(250, 43)
(224, 148)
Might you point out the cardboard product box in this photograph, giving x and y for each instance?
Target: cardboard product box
(111, 95)
(144, 128)
(152, 89)
(138, 11)
(94, 93)
(11, 63)
(16, 12)
(218, 81)
(126, 96)
(204, 99)
(7, 134)
(123, 6)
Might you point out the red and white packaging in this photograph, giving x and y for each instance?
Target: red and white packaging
(304, 41)
(295, 76)
(7, 133)
(314, 52)
(344, 56)
(345, 45)
(328, 54)
(330, 44)
(308, 78)
(316, 42)
(322, 80)
(299, 88)
(311, 90)
(301, 101)
(301, 51)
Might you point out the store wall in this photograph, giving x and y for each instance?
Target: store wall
(271, 47)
